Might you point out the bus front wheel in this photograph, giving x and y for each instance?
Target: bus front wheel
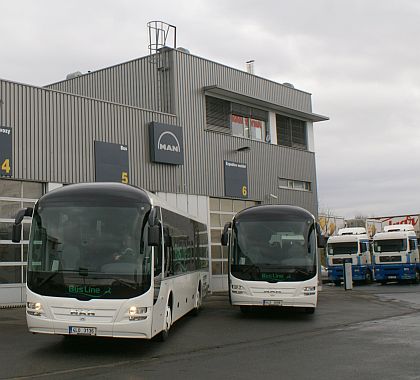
(198, 301)
(167, 324)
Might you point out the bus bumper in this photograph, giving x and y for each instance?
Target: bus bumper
(132, 329)
(265, 294)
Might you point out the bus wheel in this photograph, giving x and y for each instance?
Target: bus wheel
(417, 278)
(337, 283)
(368, 277)
(168, 321)
(198, 301)
(309, 310)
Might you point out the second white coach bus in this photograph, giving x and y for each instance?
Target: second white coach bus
(112, 260)
(273, 257)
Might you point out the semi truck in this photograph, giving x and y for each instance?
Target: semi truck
(349, 245)
(396, 254)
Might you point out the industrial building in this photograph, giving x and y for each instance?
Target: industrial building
(208, 138)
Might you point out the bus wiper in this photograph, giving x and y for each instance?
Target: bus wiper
(302, 271)
(52, 275)
(126, 283)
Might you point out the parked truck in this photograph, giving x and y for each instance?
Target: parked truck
(396, 254)
(349, 245)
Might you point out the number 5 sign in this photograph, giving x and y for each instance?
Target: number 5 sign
(5, 152)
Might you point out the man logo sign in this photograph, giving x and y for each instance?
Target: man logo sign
(165, 136)
(166, 143)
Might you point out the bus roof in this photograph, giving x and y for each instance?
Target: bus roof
(113, 191)
(83, 191)
(275, 212)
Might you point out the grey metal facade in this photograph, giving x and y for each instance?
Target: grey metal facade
(54, 134)
(175, 83)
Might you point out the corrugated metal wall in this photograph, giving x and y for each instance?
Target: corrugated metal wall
(143, 83)
(64, 126)
(54, 135)
(207, 150)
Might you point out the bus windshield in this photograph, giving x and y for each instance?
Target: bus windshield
(89, 250)
(274, 250)
(343, 248)
(390, 245)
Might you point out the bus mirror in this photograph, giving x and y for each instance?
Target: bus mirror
(16, 233)
(153, 217)
(154, 235)
(22, 213)
(225, 235)
(322, 240)
(17, 227)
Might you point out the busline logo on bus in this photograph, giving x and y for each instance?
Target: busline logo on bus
(89, 291)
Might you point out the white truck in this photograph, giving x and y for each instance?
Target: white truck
(396, 254)
(350, 245)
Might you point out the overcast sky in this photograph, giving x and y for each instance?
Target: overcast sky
(359, 59)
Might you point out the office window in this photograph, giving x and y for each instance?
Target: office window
(285, 183)
(236, 119)
(291, 132)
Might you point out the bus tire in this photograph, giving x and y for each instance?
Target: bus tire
(368, 277)
(198, 301)
(417, 277)
(337, 283)
(309, 310)
(163, 335)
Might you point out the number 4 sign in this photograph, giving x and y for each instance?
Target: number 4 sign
(5, 152)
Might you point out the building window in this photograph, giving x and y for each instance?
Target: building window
(291, 132)
(236, 119)
(292, 184)
(15, 195)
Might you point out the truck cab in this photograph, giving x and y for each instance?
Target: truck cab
(396, 254)
(349, 245)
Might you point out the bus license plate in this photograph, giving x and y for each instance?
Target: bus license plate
(272, 302)
(74, 330)
(392, 277)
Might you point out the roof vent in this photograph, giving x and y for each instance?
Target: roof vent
(183, 50)
(74, 75)
(288, 85)
(250, 66)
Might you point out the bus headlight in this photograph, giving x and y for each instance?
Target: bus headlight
(34, 308)
(137, 313)
(309, 290)
(238, 289)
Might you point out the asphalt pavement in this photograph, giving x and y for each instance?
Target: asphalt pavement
(365, 333)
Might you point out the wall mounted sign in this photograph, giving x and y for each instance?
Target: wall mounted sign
(166, 143)
(236, 180)
(6, 152)
(111, 162)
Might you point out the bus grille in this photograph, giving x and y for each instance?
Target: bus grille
(389, 259)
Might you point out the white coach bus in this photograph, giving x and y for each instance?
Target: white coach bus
(107, 259)
(273, 257)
